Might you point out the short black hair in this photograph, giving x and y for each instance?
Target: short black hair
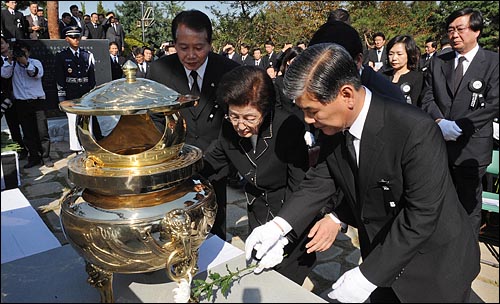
(195, 20)
(339, 14)
(476, 22)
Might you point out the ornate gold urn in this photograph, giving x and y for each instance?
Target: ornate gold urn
(138, 204)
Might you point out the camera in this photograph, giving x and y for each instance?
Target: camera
(18, 52)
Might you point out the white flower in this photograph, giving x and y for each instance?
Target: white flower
(183, 292)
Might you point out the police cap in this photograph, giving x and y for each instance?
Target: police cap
(72, 31)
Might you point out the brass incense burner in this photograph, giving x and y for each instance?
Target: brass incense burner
(137, 205)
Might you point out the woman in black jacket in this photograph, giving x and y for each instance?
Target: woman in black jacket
(266, 145)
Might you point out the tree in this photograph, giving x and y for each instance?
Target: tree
(100, 8)
(53, 17)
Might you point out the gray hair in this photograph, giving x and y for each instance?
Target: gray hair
(321, 70)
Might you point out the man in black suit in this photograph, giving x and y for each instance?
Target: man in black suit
(245, 58)
(462, 97)
(229, 51)
(377, 57)
(192, 33)
(13, 23)
(257, 59)
(116, 61)
(430, 50)
(387, 157)
(271, 57)
(92, 29)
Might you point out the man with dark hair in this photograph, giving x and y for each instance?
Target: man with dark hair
(196, 70)
(461, 94)
(92, 29)
(75, 76)
(377, 57)
(113, 31)
(430, 50)
(13, 23)
(271, 57)
(245, 57)
(416, 243)
(64, 22)
(29, 98)
(75, 17)
(445, 45)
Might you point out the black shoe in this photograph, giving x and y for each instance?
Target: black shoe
(48, 162)
(23, 154)
(32, 163)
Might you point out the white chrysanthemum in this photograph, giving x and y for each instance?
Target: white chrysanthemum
(183, 292)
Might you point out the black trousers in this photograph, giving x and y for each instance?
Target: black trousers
(14, 125)
(27, 115)
(219, 227)
(469, 185)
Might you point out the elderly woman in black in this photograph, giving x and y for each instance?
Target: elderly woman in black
(266, 145)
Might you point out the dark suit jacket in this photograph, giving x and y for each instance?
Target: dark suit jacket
(116, 68)
(202, 127)
(93, 33)
(424, 247)
(248, 60)
(414, 79)
(42, 33)
(379, 84)
(270, 60)
(474, 147)
(373, 57)
(13, 26)
(141, 74)
(262, 63)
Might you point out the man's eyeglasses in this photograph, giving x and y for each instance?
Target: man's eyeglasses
(459, 30)
(246, 121)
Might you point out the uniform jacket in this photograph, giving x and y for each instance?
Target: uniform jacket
(474, 147)
(74, 77)
(13, 26)
(204, 120)
(423, 247)
(43, 33)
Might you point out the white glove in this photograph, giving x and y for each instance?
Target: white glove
(450, 129)
(352, 287)
(273, 257)
(262, 239)
(182, 293)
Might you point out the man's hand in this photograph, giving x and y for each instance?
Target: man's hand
(323, 234)
(451, 131)
(262, 239)
(352, 287)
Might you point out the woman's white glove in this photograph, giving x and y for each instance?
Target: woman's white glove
(352, 287)
(451, 131)
(269, 242)
(182, 292)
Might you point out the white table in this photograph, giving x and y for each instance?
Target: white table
(59, 275)
(23, 231)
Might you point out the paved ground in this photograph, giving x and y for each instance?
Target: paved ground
(44, 187)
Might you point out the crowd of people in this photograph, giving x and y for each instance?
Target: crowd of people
(323, 135)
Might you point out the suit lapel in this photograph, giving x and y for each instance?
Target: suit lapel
(371, 145)
(474, 71)
(341, 155)
(447, 68)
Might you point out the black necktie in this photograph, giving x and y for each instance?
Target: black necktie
(195, 89)
(349, 141)
(459, 71)
(76, 55)
(116, 59)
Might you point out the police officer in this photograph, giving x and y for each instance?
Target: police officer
(75, 76)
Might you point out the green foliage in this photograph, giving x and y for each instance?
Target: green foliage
(130, 13)
(100, 8)
(8, 144)
(204, 288)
